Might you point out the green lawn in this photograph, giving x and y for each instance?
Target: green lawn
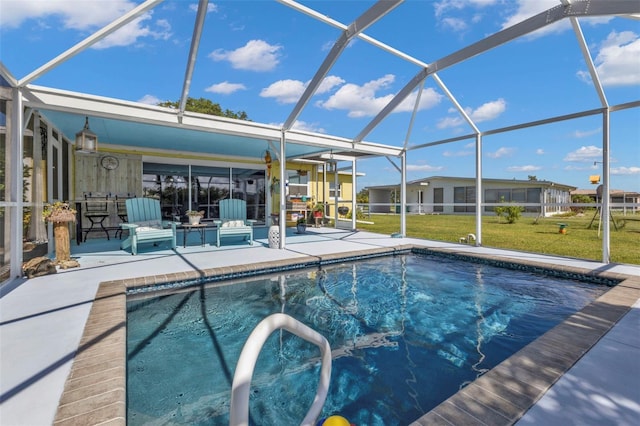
(580, 241)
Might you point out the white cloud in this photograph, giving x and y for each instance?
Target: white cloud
(134, 31)
(528, 8)
(256, 55)
(308, 127)
(448, 122)
(540, 151)
(328, 83)
(77, 15)
(211, 7)
(423, 168)
(574, 168)
(225, 88)
(585, 153)
(625, 171)
(284, 91)
(617, 61)
(488, 111)
(364, 101)
(527, 168)
(455, 24)
(578, 134)
(457, 153)
(428, 99)
(303, 126)
(289, 91)
(149, 100)
(501, 152)
(485, 112)
(73, 14)
(360, 101)
(445, 6)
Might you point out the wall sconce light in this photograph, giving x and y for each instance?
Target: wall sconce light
(86, 140)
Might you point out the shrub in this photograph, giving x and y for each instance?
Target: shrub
(511, 213)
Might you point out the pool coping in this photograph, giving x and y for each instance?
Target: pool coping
(95, 390)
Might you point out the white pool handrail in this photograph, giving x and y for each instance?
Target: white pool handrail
(239, 410)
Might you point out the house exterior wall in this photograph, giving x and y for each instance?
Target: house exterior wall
(451, 195)
(302, 197)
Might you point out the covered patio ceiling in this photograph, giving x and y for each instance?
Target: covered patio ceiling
(140, 126)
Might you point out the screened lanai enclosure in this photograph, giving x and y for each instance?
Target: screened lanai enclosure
(384, 103)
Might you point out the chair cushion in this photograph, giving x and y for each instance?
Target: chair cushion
(148, 228)
(150, 223)
(233, 223)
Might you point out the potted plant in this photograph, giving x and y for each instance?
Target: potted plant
(318, 213)
(318, 210)
(195, 216)
(60, 214)
(301, 224)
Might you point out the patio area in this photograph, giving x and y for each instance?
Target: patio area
(43, 321)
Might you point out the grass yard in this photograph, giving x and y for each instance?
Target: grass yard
(580, 241)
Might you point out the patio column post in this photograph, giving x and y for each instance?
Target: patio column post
(16, 183)
(403, 193)
(478, 241)
(605, 210)
(354, 194)
(283, 191)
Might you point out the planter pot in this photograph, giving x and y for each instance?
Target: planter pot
(301, 228)
(194, 220)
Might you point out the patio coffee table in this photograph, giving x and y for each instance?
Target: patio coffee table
(201, 227)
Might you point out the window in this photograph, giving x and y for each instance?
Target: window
(438, 199)
(298, 183)
(513, 195)
(332, 190)
(464, 195)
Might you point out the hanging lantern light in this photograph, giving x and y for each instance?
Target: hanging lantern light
(86, 140)
(267, 160)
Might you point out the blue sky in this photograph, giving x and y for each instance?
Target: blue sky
(257, 56)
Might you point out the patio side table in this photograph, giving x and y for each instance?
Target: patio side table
(200, 227)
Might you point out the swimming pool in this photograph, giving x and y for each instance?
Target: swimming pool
(406, 333)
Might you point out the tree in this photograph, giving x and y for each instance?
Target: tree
(362, 197)
(206, 106)
(580, 199)
(532, 177)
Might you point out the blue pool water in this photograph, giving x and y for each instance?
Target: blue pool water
(406, 333)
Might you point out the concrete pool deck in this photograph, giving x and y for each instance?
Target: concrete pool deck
(62, 330)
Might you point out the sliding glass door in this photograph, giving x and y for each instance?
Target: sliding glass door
(181, 187)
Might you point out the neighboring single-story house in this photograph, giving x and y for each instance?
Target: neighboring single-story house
(457, 195)
(620, 200)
